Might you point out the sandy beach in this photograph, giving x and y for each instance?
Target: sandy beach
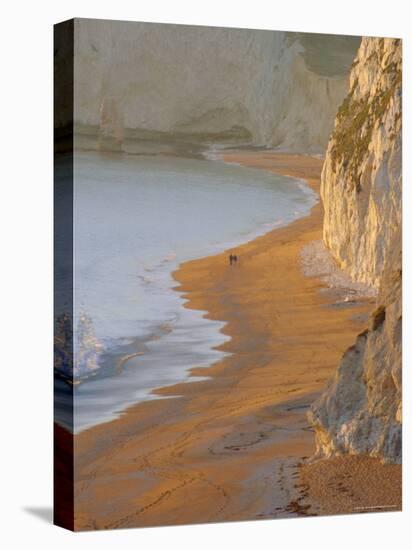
(232, 447)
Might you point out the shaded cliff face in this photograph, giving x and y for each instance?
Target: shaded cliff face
(147, 81)
(360, 412)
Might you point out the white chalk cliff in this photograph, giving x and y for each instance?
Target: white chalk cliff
(360, 411)
(143, 81)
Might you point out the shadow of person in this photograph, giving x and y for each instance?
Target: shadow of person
(45, 513)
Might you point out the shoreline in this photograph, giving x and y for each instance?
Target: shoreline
(229, 448)
(158, 277)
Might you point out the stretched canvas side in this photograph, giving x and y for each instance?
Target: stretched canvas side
(63, 274)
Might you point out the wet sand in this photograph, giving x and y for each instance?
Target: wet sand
(229, 448)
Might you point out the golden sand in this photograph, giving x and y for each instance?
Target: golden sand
(229, 447)
(347, 484)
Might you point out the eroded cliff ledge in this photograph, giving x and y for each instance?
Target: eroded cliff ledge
(360, 411)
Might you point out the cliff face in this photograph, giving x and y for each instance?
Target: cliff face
(148, 81)
(360, 412)
(361, 179)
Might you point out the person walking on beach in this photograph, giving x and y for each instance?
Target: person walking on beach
(231, 259)
(235, 258)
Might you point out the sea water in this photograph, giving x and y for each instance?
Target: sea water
(136, 219)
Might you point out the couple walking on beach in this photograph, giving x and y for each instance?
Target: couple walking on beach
(232, 259)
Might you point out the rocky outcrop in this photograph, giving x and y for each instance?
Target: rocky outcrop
(143, 82)
(360, 411)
